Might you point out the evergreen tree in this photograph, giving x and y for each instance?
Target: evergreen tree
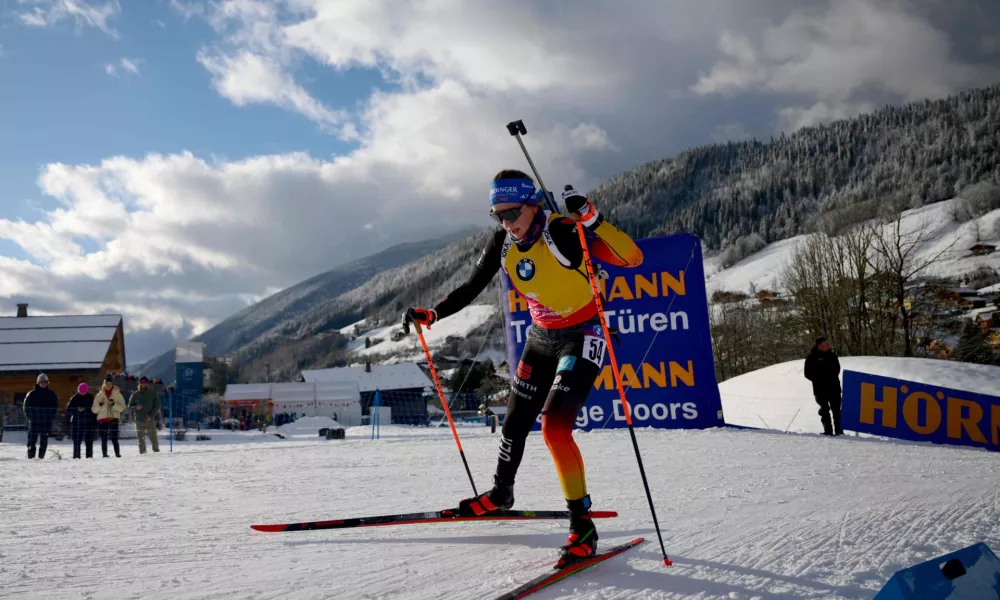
(972, 346)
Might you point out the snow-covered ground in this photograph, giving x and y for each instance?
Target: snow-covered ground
(764, 269)
(780, 397)
(745, 514)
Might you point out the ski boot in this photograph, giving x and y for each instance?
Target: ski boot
(501, 497)
(582, 541)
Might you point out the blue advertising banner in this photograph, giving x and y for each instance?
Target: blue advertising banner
(189, 381)
(908, 410)
(660, 310)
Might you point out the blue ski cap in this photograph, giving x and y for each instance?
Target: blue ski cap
(521, 191)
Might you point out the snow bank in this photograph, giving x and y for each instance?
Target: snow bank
(308, 426)
(780, 397)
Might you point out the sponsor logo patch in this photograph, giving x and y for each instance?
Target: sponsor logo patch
(523, 371)
(525, 269)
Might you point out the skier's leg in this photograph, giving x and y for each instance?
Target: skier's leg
(574, 379)
(529, 386)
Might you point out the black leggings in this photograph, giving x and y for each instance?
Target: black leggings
(556, 373)
(109, 429)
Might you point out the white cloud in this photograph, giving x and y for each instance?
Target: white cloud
(179, 241)
(837, 56)
(43, 13)
(128, 65)
(247, 78)
(188, 10)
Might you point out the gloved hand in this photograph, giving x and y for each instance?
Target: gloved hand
(578, 207)
(424, 316)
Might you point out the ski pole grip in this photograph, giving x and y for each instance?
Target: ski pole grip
(517, 127)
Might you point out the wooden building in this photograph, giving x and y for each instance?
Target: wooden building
(69, 349)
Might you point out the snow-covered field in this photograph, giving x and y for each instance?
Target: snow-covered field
(745, 514)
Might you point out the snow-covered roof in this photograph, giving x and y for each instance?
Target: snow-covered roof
(336, 390)
(293, 392)
(77, 342)
(248, 391)
(382, 377)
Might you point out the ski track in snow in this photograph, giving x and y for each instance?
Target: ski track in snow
(745, 514)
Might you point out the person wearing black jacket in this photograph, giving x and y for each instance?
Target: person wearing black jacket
(40, 406)
(823, 370)
(81, 420)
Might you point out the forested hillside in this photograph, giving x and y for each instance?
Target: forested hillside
(921, 153)
(736, 196)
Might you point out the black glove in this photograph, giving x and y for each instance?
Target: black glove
(578, 206)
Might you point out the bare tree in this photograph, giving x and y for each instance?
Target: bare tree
(896, 251)
(748, 335)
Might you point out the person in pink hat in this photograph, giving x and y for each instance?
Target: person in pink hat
(81, 420)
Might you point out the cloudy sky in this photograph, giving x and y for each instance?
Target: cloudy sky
(177, 159)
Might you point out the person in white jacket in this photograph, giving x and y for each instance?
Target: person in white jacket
(109, 404)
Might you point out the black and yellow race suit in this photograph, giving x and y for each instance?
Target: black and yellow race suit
(564, 350)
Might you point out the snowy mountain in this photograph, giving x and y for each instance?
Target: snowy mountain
(276, 315)
(738, 197)
(918, 153)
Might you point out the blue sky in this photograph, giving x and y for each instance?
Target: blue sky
(65, 107)
(176, 160)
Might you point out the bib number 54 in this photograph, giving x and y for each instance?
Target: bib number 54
(593, 349)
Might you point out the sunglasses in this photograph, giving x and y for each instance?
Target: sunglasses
(510, 215)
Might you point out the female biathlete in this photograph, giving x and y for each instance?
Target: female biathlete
(541, 254)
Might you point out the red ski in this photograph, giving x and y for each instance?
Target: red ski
(438, 516)
(544, 581)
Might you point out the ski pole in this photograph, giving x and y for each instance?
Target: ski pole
(517, 128)
(618, 381)
(444, 402)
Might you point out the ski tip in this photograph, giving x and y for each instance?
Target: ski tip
(268, 528)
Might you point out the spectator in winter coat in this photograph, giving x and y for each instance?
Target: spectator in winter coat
(109, 404)
(81, 421)
(40, 406)
(823, 370)
(145, 406)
